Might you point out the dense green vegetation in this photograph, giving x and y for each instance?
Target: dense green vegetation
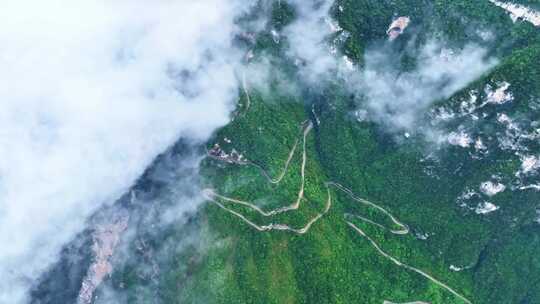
(332, 263)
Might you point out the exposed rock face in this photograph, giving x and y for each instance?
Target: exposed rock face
(461, 139)
(490, 188)
(479, 144)
(348, 63)
(517, 12)
(500, 95)
(529, 163)
(397, 27)
(106, 238)
(485, 208)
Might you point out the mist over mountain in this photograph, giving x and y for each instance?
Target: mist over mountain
(92, 93)
(269, 151)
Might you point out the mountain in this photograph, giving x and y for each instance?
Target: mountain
(379, 152)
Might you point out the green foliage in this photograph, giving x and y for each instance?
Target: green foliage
(332, 263)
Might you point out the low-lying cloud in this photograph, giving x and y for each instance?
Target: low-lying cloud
(307, 37)
(390, 96)
(92, 92)
(397, 99)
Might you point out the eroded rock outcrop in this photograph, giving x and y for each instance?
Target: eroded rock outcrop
(106, 237)
(397, 27)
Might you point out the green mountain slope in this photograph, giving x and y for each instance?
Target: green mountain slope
(497, 254)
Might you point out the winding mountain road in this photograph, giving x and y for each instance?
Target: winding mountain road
(220, 201)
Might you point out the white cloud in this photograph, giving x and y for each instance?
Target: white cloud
(395, 98)
(398, 99)
(490, 188)
(91, 92)
(307, 36)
